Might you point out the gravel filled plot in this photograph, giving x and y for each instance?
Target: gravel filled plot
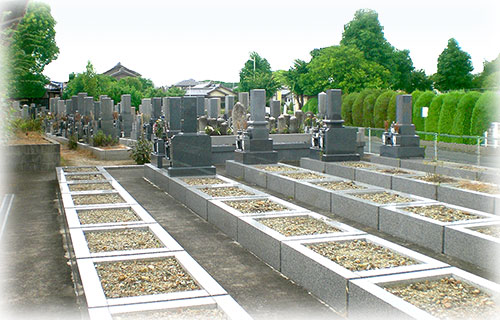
(448, 298)
(435, 178)
(226, 192)
(479, 187)
(303, 176)
(442, 213)
(277, 168)
(124, 239)
(96, 176)
(493, 231)
(361, 255)
(203, 181)
(394, 171)
(90, 186)
(80, 169)
(114, 215)
(255, 206)
(357, 165)
(339, 185)
(97, 199)
(191, 313)
(383, 197)
(143, 277)
(298, 226)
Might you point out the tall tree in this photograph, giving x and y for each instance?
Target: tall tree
(32, 46)
(297, 80)
(257, 74)
(453, 69)
(491, 72)
(419, 81)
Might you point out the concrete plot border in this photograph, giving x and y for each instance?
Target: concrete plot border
(368, 298)
(464, 243)
(424, 231)
(66, 177)
(158, 177)
(312, 164)
(68, 202)
(485, 202)
(378, 159)
(410, 184)
(94, 292)
(340, 170)
(374, 177)
(82, 250)
(74, 222)
(224, 303)
(366, 212)
(197, 200)
(64, 186)
(260, 176)
(265, 242)
(284, 185)
(177, 187)
(417, 165)
(234, 169)
(226, 218)
(328, 280)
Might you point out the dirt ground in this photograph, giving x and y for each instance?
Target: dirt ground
(81, 157)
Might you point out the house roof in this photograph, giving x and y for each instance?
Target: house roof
(54, 86)
(186, 83)
(119, 69)
(205, 89)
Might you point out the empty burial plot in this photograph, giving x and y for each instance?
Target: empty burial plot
(435, 178)
(394, 171)
(479, 187)
(203, 181)
(89, 186)
(113, 215)
(298, 225)
(442, 213)
(383, 197)
(303, 176)
(97, 199)
(339, 185)
(187, 313)
(82, 177)
(356, 164)
(80, 169)
(122, 239)
(226, 192)
(255, 206)
(493, 231)
(277, 168)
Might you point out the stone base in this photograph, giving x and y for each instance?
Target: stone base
(191, 171)
(256, 157)
(402, 152)
(316, 153)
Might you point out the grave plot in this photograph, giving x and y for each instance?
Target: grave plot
(424, 185)
(263, 234)
(96, 198)
(380, 176)
(107, 215)
(224, 214)
(347, 169)
(206, 308)
(325, 266)
(285, 182)
(79, 169)
(363, 206)
(120, 240)
(447, 293)
(144, 278)
(425, 224)
(475, 243)
(177, 186)
(480, 196)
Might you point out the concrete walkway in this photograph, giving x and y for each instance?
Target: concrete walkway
(263, 292)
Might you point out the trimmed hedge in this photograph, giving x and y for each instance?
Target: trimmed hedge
(447, 114)
(424, 100)
(368, 105)
(462, 121)
(347, 102)
(431, 123)
(391, 108)
(311, 105)
(380, 109)
(357, 107)
(485, 111)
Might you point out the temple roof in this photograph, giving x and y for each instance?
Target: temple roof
(119, 71)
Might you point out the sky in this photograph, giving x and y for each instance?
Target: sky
(170, 41)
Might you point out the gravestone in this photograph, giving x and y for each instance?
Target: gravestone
(228, 106)
(156, 105)
(337, 143)
(239, 117)
(147, 108)
(205, 105)
(282, 127)
(164, 107)
(174, 119)
(25, 112)
(321, 105)
(401, 141)
(88, 106)
(299, 114)
(243, 99)
(190, 151)
(127, 116)
(107, 117)
(256, 146)
(202, 123)
(52, 103)
(61, 109)
(74, 104)
(80, 102)
(294, 125)
(200, 106)
(97, 110)
(213, 108)
(275, 109)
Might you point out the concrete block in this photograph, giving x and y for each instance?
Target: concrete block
(393, 162)
(368, 299)
(456, 172)
(143, 217)
(328, 280)
(280, 184)
(312, 164)
(314, 195)
(414, 186)
(449, 193)
(375, 178)
(418, 165)
(235, 169)
(492, 176)
(255, 176)
(426, 232)
(339, 170)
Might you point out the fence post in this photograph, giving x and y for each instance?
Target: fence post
(435, 146)
(478, 151)
(369, 140)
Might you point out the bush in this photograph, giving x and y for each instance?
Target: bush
(368, 105)
(414, 98)
(26, 125)
(380, 108)
(347, 102)
(485, 111)
(462, 121)
(101, 140)
(431, 123)
(141, 151)
(73, 142)
(424, 100)
(357, 107)
(391, 108)
(447, 114)
(311, 105)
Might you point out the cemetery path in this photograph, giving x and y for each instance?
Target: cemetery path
(85, 158)
(263, 292)
(34, 275)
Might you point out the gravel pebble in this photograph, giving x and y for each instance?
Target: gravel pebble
(339, 185)
(303, 175)
(493, 231)
(189, 313)
(442, 213)
(132, 278)
(203, 181)
(123, 239)
(255, 206)
(97, 198)
(448, 298)
(80, 169)
(277, 168)
(96, 176)
(435, 178)
(90, 186)
(298, 226)
(357, 164)
(383, 197)
(361, 255)
(225, 192)
(114, 215)
(393, 171)
(479, 187)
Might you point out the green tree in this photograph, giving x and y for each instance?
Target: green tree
(485, 111)
(391, 108)
(357, 107)
(447, 114)
(368, 105)
(257, 74)
(488, 78)
(431, 123)
(462, 121)
(453, 69)
(31, 47)
(347, 102)
(296, 79)
(90, 83)
(175, 92)
(424, 100)
(311, 105)
(420, 81)
(380, 108)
